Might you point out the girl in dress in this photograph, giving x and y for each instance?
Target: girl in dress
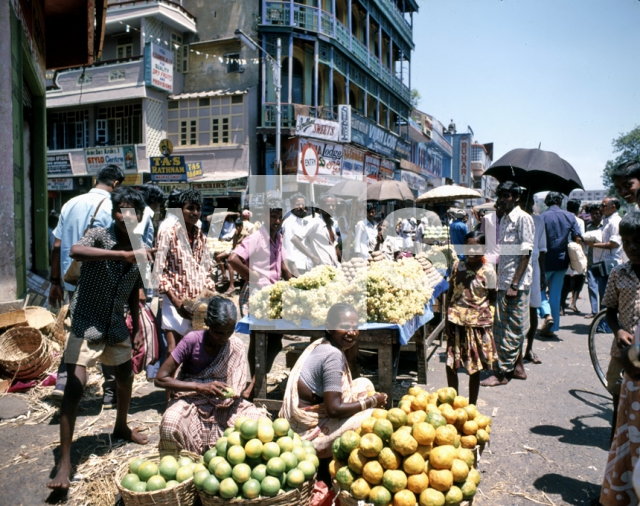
(469, 327)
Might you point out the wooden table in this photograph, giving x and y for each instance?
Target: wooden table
(381, 340)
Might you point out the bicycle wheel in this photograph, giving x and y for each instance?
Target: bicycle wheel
(600, 339)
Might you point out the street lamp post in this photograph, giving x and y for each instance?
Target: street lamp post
(276, 70)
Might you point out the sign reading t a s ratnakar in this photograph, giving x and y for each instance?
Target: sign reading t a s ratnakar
(172, 169)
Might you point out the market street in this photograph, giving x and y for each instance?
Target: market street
(549, 435)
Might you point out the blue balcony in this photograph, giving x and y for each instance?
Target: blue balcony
(314, 19)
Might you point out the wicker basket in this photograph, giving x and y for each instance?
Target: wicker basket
(59, 334)
(346, 499)
(180, 495)
(25, 353)
(298, 497)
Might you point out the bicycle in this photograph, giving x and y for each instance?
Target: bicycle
(600, 339)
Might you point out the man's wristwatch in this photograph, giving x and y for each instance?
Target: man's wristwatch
(513, 286)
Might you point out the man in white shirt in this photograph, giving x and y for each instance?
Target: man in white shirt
(295, 225)
(595, 281)
(319, 242)
(611, 240)
(366, 233)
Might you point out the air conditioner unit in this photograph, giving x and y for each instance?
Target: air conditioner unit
(426, 130)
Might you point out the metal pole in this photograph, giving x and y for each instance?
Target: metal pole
(278, 86)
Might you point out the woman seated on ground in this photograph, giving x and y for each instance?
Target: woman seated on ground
(211, 362)
(322, 401)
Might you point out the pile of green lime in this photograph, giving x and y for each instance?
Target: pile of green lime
(257, 459)
(147, 476)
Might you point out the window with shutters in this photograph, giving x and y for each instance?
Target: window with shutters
(180, 53)
(119, 124)
(124, 47)
(68, 129)
(207, 121)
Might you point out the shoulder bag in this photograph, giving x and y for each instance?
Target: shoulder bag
(73, 272)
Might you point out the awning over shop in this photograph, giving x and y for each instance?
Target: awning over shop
(204, 94)
(407, 165)
(416, 136)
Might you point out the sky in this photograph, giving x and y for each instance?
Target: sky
(564, 74)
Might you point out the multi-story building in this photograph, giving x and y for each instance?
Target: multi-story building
(37, 34)
(114, 110)
(589, 196)
(346, 61)
(430, 150)
(481, 159)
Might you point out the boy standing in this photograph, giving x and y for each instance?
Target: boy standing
(97, 331)
(621, 299)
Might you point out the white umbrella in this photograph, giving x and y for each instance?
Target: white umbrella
(447, 193)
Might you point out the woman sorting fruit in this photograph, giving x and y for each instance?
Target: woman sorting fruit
(212, 372)
(322, 401)
(469, 326)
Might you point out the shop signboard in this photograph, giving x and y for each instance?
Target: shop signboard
(317, 128)
(329, 166)
(168, 169)
(464, 159)
(121, 156)
(132, 179)
(237, 185)
(387, 168)
(289, 158)
(353, 163)
(344, 120)
(60, 183)
(158, 67)
(194, 169)
(210, 188)
(403, 149)
(371, 168)
(59, 164)
(442, 144)
(413, 181)
(169, 187)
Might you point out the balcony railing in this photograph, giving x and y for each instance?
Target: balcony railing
(317, 20)
(144, 3)
(288, 114)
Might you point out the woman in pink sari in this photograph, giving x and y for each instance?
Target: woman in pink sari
(212, 372)
(322, 401)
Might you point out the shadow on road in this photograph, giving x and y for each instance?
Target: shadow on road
(581, 433)
(573, 491)
(578, 328)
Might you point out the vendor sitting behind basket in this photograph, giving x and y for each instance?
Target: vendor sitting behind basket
(322, 401)
(206, 393)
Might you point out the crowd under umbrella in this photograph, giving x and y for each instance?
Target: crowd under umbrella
(536, 170)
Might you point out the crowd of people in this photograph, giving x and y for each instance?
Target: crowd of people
(514, 270)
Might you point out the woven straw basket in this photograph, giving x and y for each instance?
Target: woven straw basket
(180, 495)
(346, 499)
(59, 334)
(25, 353)
(298, 497)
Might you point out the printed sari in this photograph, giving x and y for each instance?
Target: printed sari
(312, 422)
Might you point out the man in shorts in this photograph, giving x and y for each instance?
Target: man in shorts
(96, 326)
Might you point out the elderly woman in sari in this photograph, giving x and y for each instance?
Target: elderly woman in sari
(212, 373)
(322, 401)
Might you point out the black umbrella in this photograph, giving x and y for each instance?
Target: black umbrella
(536, 170)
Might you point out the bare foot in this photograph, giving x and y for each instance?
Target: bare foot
(131, 435)
(494, 381)
(532, 357)
(61, 481)
(519, 375)
(574, 308)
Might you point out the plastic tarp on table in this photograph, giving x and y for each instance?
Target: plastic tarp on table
(406, 331)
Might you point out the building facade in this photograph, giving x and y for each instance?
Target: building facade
(346, 79)
(115, 109)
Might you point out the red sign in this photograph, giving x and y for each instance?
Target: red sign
(309, 162)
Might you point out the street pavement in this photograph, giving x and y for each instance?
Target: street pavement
(549, 439)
